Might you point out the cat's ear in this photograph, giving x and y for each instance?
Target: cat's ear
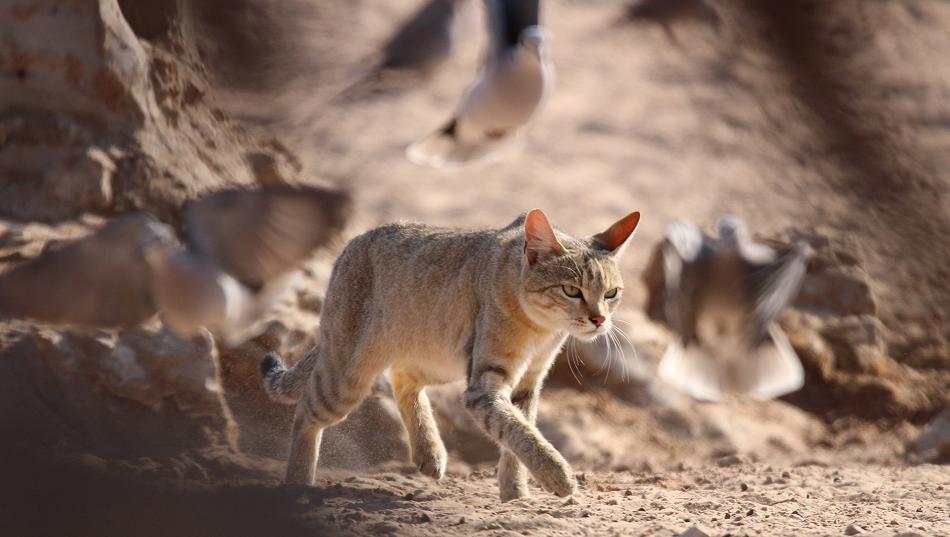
(615, 239)
(539, 237)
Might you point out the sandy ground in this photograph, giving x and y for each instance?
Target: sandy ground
(637, 122)
(688, 129)
(744, 499)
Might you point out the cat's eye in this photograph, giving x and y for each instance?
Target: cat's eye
(571, 291)
(612, 293)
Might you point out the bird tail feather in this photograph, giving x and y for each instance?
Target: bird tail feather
(444, 149)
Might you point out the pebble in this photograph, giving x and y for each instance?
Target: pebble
(853, 529)
(693, 532)
(729, 460)
(743, 487)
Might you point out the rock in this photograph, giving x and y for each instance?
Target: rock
(837, 290)
(933, 443)
(82, 59)
(857, 342)
(693, 532)
(803, 331)
(729, 460)
(82, 183)
(854, 529)
(82, 80)
(835, 284)
(310, 301)
(274, 165)
(138, 392)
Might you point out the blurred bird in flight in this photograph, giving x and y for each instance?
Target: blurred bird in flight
(515, 76)
(722, 298)
(240, 247)
(415, 52)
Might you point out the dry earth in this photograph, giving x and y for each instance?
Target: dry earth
(695, 128)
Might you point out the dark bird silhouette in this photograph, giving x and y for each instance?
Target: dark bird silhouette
(515, 77)
(239, 248)
(722, 298)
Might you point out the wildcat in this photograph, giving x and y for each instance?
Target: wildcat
(437, 305)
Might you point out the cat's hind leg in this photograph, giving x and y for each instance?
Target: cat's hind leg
(338, 383)
(428, 451)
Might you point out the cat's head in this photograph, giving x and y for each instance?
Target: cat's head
(573, 284)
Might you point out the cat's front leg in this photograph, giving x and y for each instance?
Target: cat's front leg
(488, 399)
(512, 475)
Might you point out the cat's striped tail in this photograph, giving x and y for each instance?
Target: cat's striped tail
(286, 385)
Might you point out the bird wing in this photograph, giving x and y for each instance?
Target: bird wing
(774, 370)
(685, 253)
(424, 40)
(767, 371)
(506, 20)
(689, 371)
(773, 285)
(256, 236)
(99, 280)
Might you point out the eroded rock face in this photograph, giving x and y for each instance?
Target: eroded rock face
(142, 392)
(95, 119)
(933, 443)
(80, 58)
(99, 117)
(834, 328)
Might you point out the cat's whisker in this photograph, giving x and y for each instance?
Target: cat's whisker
(623, 362)
(605, 367)
(572, 352)
(620, 358)
(636, 354)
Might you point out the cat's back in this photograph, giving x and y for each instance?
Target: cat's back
(399, 243)
(424, 257)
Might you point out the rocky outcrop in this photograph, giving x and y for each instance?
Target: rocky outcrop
(139, 392)
(99, 120)
(933, 443)
(833, 325)
(106, 107)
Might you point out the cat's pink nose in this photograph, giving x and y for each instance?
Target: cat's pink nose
(597, 320)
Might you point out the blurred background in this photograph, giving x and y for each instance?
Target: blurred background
(823, 121)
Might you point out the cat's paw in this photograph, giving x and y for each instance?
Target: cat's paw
(431, 461)
(555, 476)
(514, 490)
